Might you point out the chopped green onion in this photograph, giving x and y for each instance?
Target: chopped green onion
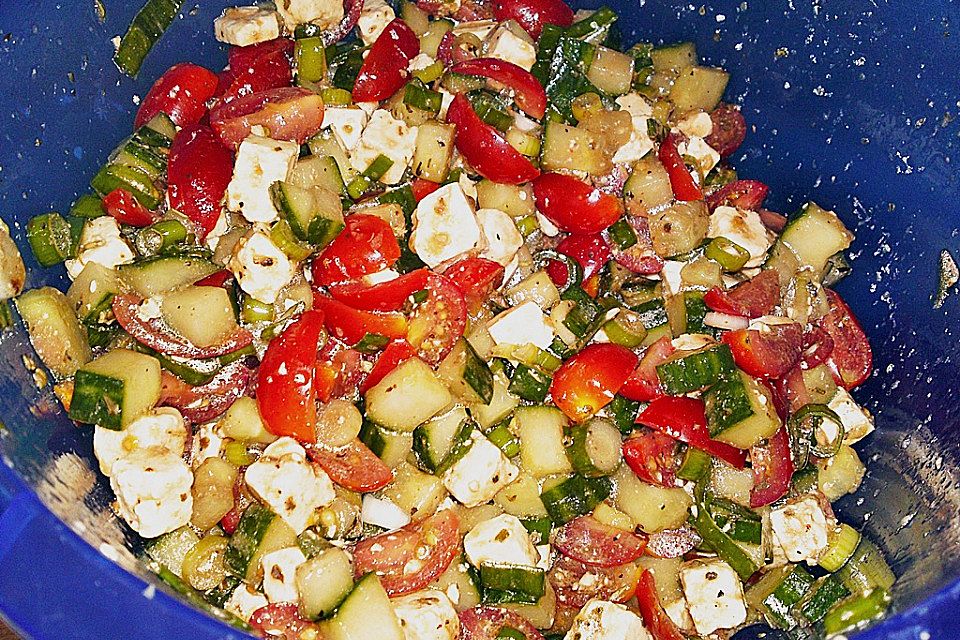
(524, 142)
(87, 206)
(505, 440)
(236, 453)
(429, 74)
(731, 256)
(511, 634)
(624, 412)
(421, 296)
(417, 95)
(818, 429)
(490, 110)
(842, 542)
(527, 225)
(380, 165)
(147, 27)
(333, 96)
(622, 234)
(371, 343)
(360, 185)
(51, 238)
(625, 334)
(160, 236)
(255, 311)
(695, 466)
(6, 315)
(574, 270)
(594, 27)
(529, 384)
(721, 543)
(856, 612)
(866, 569)
(311, 60)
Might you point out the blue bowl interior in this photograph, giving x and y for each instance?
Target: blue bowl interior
(850, 104)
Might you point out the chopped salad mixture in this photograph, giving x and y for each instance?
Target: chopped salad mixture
(463, 327)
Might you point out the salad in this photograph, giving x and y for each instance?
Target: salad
(453, 320)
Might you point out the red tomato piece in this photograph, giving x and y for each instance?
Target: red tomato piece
(685, 419)
(773, 220)
(391, 295)
(852, 358)
(729, 129)
(617, 584)
(338, 372)
(485, 623)
(655, 618)
(592, 542)
(817, 347)
(528, 93)
(766, 354)
(641, 257)
(351, 325)
(216, 279)
(121, 204)
(653, 457)
(422, 188)
(351, 13)
(533, 14)
(591, 252)
(485, 148)
(682, 182)
(438, 322)
(452, 50)
(672, 543)
(352, 466)
(208, 401)
(411, 558)
(744, 194)
(366, 245)
(573, 205)
(589, 380)
(395, 353)
(643, 384)
(384, 70)
(476, 278)
(181, 93)
(285, 393)
(198, 171)
(282, 620)
(756, 297)
(258, 67)
(772, 469)
(287, 113)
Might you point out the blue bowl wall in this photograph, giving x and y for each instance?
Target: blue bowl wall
(850, 103)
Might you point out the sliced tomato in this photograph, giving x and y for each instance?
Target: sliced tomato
(366, 245)
(438, 322)
(527, 91)
(681, 180)
(121, 204)
(287, 113)
(744, 194)
(591, 251)
(640, 257)
(485, 148)
(351, 325)
(476, 278)
(686, 420)
(643, 384)
(589, 380)
(208, 401)
(258, 67)
(655, 618)
(199, 169)
(533, 14)
(773, 220)
(391, 295)
(385, 69)
(576, 583)
(352, 466)
(590, 541)
(756, 297)
(285, 392)
(772, 469)
(729, 129)
(422, 188)
(852, 358)
(338, 371)
(672, 543)
(411, 558)
(653, 457)
(154, 332)
(486, 623)
(181, 92)
(282, 620)
(769, 353)
(395, 353)
(573, 205)
(817, 347)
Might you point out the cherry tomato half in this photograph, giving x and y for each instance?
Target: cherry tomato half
(686, 420)
(852, 358)
(391, 295)
(653, 457)
(772, 469)
(655, 618)
(287, 113)
(352, 325)
(744, 194)
(684, 187)
(528, 93)
(121, 205)
(384, 70)
(476, 278)
(643, 384)
(590, 379)
(198, 171)
(573, 205)
(769, 353)
(576, 583)
(255, 68)
(353, 466)
(590, 541)
(533, 14)
(756, 297)
(396, 352)
(282, 620)
(486, 623)
(181, 92)
(729, 129)
(438, 322)
(366, 245)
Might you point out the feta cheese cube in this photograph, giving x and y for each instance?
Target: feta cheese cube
(502, 237)
(545, 551)
(388, 136)
(745, 229)
(219, 230)
(207, 443)
(427, 615)
(445, 227)
(420, 61)
(800, 529)
(260, 162)
(153, 491)
(374, 18)
(696, 125)
(698, 149)
(714, 595)
(347, 124)
(162, 428)
(245, 26)
(523, 324)
(677, 611)
(546, 226)
(500, 540)
(671, 276)
(244, 601)
(445, 99)
(100, 242)
(324, 13)
(639, 143)
(383, 513)
(511, 43)
(260, 267)
(290, 485)
(603, 620)
(480, 473)
(857, 421)
(280, 574)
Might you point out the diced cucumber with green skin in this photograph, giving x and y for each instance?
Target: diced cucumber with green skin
(171, 548)
(314, 214)
(115, 389)
(158, 275)
(866, 569)
(54, 331)
(674, 56)
(776, 593)
(324, 144)
(541, 433)
(198, 599)
(569, 147)
(696, 464)
(652, 313)
(202, 315)
(740, 411)
(51, 239)
(594, 448)
(823, 596)
(259, 531)
(434, 151)
(390, 446)
(740, 523)
(501, 404)
(318, 171)
(539, 527)
(415, 492)
(324, 581)
(467, 374)
(575, 496)
(529, 384)
(696, 311)
(623, 412)
(815, 235)
(419, 96)
(118, 176)
(697, 370)
(365, 613)
(459, 447)
(501, 584)
(698, 89)
(433, 440)
(87, 206)
(146, 28)
(407, 396)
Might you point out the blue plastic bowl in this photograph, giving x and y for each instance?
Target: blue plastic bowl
(851, 104)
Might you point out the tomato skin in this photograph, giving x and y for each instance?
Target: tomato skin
(686, 420)
(338, 371)
(617, 584)
(756, 297)
(533, 14)
(353, 466)
(773, 220)
(181, 93)
(655, 618)
(422, 188)
(652, 456)
(643, 385)
(384, 70)
(485, 148)
(729, 129)
(744, 194)
(366, 245)
(684, 187)
(255, 68)
(208, 401)
(672, 543)
(121, 204)
(281, 620)
(851, 360)
(395, 353)
(438, 322)
(528, 93)
(485, 623)
(433, 542)
(198, 171)
(593, 542)
(288, 113)
(573, 205)
(772, 469)
(351, 325)
(766, 354)
(588, 381)
(641, 257)
(391, 295)
(476, 278)
(591, 251)
(285, 393)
